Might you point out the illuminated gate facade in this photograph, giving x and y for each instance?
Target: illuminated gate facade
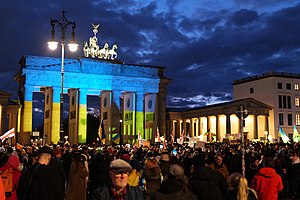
(132, 97)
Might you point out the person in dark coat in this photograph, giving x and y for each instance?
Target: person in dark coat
(42, 180)
(118, 187)
(205, 182)
(294, 176)
(164, 163)
(98, 171)
(76, 188)
(253, 169)
(174, 187)
(152, 175)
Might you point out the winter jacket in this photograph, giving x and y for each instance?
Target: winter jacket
(207, 184)
(41, 182)
(134, 178)
(13, 164)
(294, 180)
(222, 169)
(105, 193)
(267, 183)
(171, 189)
(77, 184)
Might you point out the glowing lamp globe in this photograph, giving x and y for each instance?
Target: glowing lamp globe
(52, 45)
(73, 47)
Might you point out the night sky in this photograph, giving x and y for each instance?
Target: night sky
(204, 44)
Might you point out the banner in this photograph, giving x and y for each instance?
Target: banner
(8, 134)
(296, 136)
(101, 131)
(150, 107)
(282, 134)
(157, 138)
(172, 137)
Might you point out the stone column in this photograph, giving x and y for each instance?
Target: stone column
(184, 126)
(191, 128)
(51, 122)
(73, 115)
(178, 129)
(82, 125)
(255, 127)
(199, 126)
(115, 117)
(208, 129)
(228, 124)
(55, 121)
(217, 128)
(26, 117)
(139, 123)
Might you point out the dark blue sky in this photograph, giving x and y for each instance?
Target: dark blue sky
(204, 45)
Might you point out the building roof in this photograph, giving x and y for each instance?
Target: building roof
(3, 93)
(252, 105)
(266, 75)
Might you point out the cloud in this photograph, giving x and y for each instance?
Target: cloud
(204, 45)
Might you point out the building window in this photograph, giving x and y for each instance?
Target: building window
(297, 86)
(297, 101)
(298, 119)
(280, 119)
(284, 101)
(279, 101)
(251, 90)
(290, 119)
(288, 86)
(279, 85)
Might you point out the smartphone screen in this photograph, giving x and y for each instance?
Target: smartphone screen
(174, 152)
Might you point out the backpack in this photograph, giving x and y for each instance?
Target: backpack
(7, 180)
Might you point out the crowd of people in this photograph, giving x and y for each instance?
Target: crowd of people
(122, 172)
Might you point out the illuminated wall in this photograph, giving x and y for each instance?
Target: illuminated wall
(90, 77)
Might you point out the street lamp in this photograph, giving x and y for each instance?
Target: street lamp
(62, 24)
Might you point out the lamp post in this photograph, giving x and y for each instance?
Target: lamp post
(62, 24)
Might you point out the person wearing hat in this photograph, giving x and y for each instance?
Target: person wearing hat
(174, 187)
(205, 182)
(118, 188)
(43, 180)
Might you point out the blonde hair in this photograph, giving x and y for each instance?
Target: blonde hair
(237, 181)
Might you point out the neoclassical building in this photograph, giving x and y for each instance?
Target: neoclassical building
(221, 120)
(8, 113)
(272, 100)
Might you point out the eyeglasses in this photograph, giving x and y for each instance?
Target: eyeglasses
(118, 174)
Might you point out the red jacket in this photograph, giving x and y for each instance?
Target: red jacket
(267, 184)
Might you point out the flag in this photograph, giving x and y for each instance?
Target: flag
(139, 139)
(101, 131)
(8, 134)
(164, 142)
(282, 134)
(172, 137)
(157, 139)
(296, 136)
(115, 138)
(181, 140)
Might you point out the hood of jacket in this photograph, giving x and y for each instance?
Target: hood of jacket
(267, 172)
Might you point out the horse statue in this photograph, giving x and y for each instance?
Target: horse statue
(112, 53)
(103, 53)
(86, 49)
